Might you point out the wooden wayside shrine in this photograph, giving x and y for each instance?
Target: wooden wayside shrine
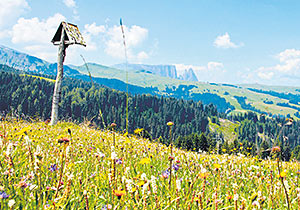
(66, 34)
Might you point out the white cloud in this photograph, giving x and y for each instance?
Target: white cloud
(223, 41)
(142, 55)
(94, 29)
(214, 65)
(36, 35)
(265, 75)
(285, 72)
(10, 10)
(135, 36)
(70, 3)
(289, 63)
(35, 30)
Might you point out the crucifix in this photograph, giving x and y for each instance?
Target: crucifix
(66, 34)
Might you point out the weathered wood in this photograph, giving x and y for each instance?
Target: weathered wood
(60, 71)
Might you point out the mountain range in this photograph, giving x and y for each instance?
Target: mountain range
(161, 70)
(163, 80)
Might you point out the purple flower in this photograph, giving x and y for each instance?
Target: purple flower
(119, 161)
(165, 174)
(176, 167)
(3, 195)
(53, 167)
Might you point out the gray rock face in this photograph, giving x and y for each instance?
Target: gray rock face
(189, 75)
(161, 70)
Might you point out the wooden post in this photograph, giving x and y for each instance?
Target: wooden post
(58, 81)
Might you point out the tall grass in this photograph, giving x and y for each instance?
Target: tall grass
(69, 166)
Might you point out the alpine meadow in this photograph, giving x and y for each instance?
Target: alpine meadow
(149, 105)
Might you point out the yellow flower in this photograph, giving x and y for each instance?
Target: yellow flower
(141, 183)
(216, 165)
(145, 161)
(138, 130)
(170, 123)
(282, 174)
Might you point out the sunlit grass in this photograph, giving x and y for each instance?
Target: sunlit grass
(85, 171)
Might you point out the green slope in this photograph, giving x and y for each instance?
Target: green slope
(168, 86)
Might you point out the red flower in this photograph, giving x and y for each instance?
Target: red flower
(63, 140)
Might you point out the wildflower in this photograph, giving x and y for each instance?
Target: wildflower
(99, 154)
(275, 149)
(11, 203)
(145, 161)
(165, 174)
(63, 140)
(9, 149)
(113, 125)
(119, 193)
(178, 184)
(176, 167)
(153, 184)
(106, 207)
(138, 130)
(170, 123)
(114, 156)
(53, 167)
(236, 197)
(144, 176)
(282, 174)
(22, 184)
(129, 185)
(119, 161)
(217, 166)
(3, 195)
(256, 203)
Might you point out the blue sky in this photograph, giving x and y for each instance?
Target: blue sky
(223, 41)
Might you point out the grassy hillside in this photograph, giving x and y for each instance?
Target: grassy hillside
(71, 166)
(226, 127)
(255, 100)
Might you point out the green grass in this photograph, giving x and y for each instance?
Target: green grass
(226, 127)
(150, 80)
(87, 172)
(44, 78)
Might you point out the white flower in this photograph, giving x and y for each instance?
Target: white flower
(67, 151)
(9, 149)
(114, 156)
(144, 176)
(129, 184)
(27, 140)
(11, 203)
(145, 187)
(256, 203)
(236, 197)
(32, 187)
(178, 184)
(153, 184)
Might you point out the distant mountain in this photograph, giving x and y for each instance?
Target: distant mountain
(188, 75)
(24, 62)
(161, 70)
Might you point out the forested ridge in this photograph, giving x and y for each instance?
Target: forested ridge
(24, 95)
(81, 100)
